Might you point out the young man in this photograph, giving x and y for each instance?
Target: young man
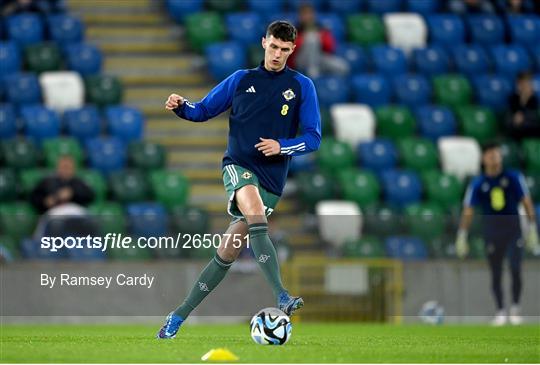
(269, 105)
(499, 192)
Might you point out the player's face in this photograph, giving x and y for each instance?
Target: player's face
(492, 158)
(276, 53)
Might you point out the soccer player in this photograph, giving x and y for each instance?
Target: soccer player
(269, 105)
(499, 192)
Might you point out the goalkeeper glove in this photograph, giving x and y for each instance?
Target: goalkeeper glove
(532, 239)
(462, 244)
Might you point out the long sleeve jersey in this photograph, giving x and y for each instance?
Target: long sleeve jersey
(274, 105)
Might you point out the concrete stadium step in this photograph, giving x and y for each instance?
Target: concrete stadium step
(209, 142)
(170, 63)
(181, 158)
(122, 18)
(195, 79)
(160, 94)
(198, 175)
(176, 125)
(129, 32)
(167, 47)
(107, 4)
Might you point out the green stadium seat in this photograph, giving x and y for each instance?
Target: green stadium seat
(31, 177)
(202, 253)
(96, 182)
(365, 29)
(395, 121)
(442, 246)
(224, 6)
(327, 129)
(477, 122)
(533, 182)
(511, 154)
(185, 220)
(359, 186)
(103, 90)
(477, 248)
(129, 186)
(418, 154)
(10, 244)
(442, 189)
(315, 186)
(204, 28)
(110, 216)
(8, 185)
(146, 155)
(54, 148)
(381, 220)
(170, 188)
(452, 90)
(42, 57)
(531, 152)
(20, 153)
(255, 55)
(367, 247)
(335, 155)
(132, 253)
(17, 220)
(425, 220)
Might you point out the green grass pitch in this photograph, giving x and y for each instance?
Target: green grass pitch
(314, 343)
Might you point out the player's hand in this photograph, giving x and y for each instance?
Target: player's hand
(532, 241)
(462, 244)
(269, 147)
(174, 101)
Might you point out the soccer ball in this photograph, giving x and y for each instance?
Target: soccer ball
(270, 327)
(432, 312)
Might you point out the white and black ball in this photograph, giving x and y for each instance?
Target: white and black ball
(271, 326)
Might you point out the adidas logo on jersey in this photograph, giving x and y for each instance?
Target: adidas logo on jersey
(251, 89)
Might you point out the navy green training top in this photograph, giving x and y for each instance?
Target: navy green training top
(264, 104)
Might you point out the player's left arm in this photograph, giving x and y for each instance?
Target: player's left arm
(531, 236)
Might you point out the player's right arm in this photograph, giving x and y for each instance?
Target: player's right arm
(216, 102)
(467, 214)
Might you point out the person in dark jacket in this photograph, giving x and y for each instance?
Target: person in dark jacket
(523, 120)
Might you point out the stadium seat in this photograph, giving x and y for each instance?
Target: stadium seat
(332, 90)
(203, 29)
(9, 248)
(354, 55)
(492, 91)
(23, 88)
(225, 58)
(289, 16)
(435, 121)
(381, 220)
(96, 182)
(170, 188)
(30, 178)
(129, 186)
(189, 221)
(533, 182)
(327, 128)
(246, 28)
(477, 122)
(146, 155)
(418, 154)
(384, 6)
(25, 28)
(147, 219)
(377, 155)
(524, 29)
(10, 58)
(432, 60)
(406, 31)
(359, 186)
(110, 216)
(423, 7)
(412, 90)
(470, 59)
(84, 58)
(40, 123)
(103, 90)
(106, 154)
(531, 152)
(54, 148)
(401, 187)
(486, 29)
(446, 30)
(17, 219)
(509, 60)
(452, 90)
(314, 187)
(345, 7)
(62, 90)
(339, 221)
(83, 123)
(224, 6)
(388, 60)
(353, 123)
(334, 155)
(511, 154)
(41, 57)
(365, 29)
(8, 185)
(371, 89)
(180, 9)
(264, 7)
(365, 247)
(535, 55)
(19, 153)
(334, 24)
(65, 29)
(394, 121)
(8, 121)
(125, 123)
(425, 220)
(406, 248)
(443, 189)
(460, 156)
(306, 162)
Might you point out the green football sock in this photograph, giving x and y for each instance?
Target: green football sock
(266, 255)
(208, 280)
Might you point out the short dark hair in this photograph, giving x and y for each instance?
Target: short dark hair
(490, 146)
(283, 30)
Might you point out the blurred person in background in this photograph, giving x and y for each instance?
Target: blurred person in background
(315, 48)
(523, 118)
(498, 193)
(463, 7)
(516, 6)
